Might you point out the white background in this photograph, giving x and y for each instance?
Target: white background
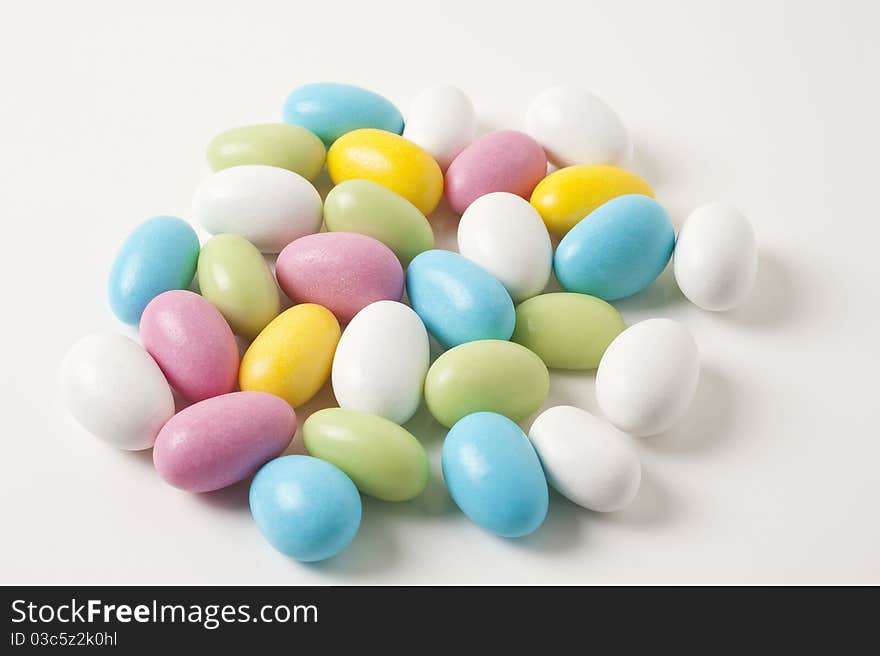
(772, 477)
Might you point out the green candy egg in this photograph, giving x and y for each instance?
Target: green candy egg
(567, 331)
(286, 146)
(383, 459)
(486, 376)
(370, 209)
(234, 277)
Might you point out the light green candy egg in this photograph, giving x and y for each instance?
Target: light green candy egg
(286, 146)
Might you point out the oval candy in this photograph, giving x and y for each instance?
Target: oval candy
(116, 391)
(566, 196)
(490, 375)
(192, 344)
(457, 300)
(585, 459)
(343, 271)
(383, 459)
(368, 208)
(159, 255)
(234, 278)
(272, 144)
(494, 475)
(505, 235)
(617, 250)
(576, 127)
(648, 376)
(442, 121)
(389, 160)
(330, 110)
(381, 362)
(267, 205)
(716, 257)
(306, 508)
(506, 160)
(291, 357)
(567, 331)
(222, 440)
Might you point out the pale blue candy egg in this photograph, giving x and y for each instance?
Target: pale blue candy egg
(494, 474)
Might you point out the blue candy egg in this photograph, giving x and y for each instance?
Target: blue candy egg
(617, 250)
(457, 300)
(159, 255)
(494, 474)
(330, 110)
(306, 508)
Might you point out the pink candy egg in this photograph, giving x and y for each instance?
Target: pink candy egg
(192, 343)
(223, 440)
(506, 160)
(342, 271)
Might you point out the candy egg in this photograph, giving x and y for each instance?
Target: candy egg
(617, 250)
(306, 508)
(389, 160)
(273, 144)
(192, 344)
(716, 258)
(381, 362)
(505, 235)
(291, 357)
(442, 121)
(116, 391)
(458, 300)
(384, 460)
(567, 331)
(489, 375)
(506, 160)
(576, 127)
(370, 209)
(494, 475)
(159, 255)
(343, 271)
(267, 205)
(235, 278)
(330, 110)
(585, 459)
(648, 376)
(222, 440)
(566, 196)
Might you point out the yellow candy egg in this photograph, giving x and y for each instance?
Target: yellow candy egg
(389, 160)
(566, 196)
(292, 356)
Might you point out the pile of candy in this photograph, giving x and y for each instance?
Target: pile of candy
(485, 305)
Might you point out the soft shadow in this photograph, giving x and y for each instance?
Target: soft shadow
(322, 400)
(444, 221)
(423, 425)
(775, 300)
(709, 421)
(144, 457)
(653, 505)
(660, 295)
(561, 531)
(323, 183)
(233, 498)
(373, 548)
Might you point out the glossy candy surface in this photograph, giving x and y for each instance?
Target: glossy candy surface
(442, 121)
(192, 344)
(159, 255)
(458, 300)
(272, 144)
(389, 160)
(306, 508)
(384, 460)
(617, 250)
(222, 440)
(494, 475)
(330, 110)
(343, 271)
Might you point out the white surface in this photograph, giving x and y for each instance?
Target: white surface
(771, 477)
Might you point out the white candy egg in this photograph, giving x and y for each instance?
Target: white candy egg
(585, 459)
(381, 362)
(116, 390)
(267, 205)
(505, 235)
(716, 257)
(647, 377)
(442, 121)
(576, 127)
